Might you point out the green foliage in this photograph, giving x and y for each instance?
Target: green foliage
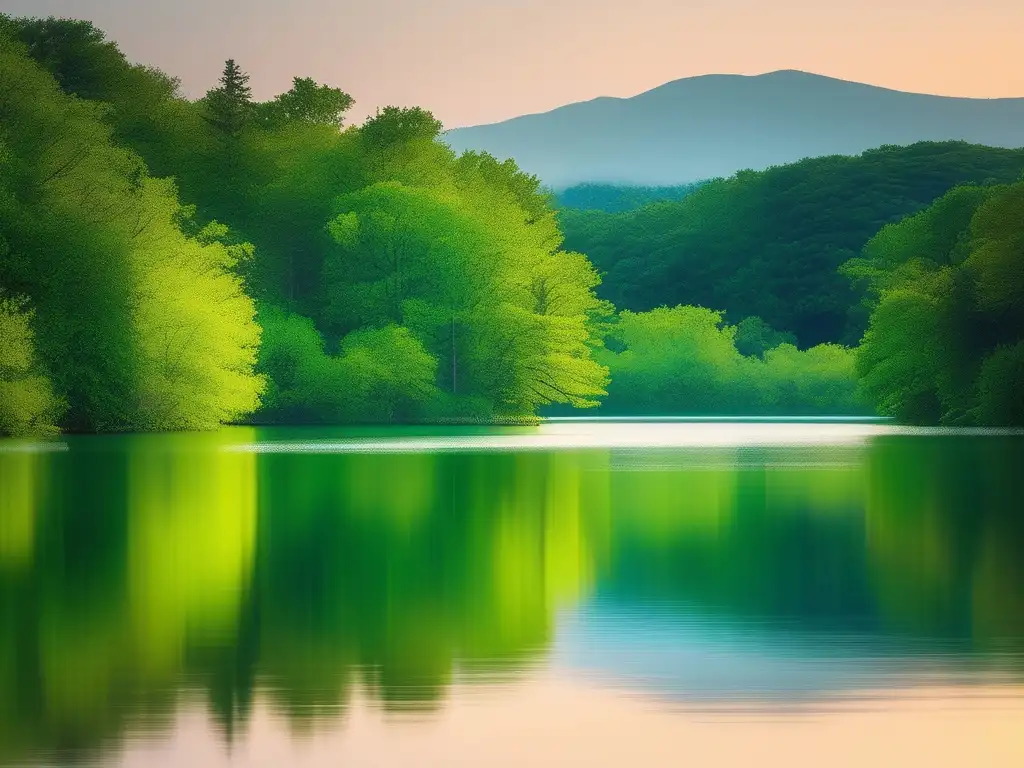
(684, 361)
(196, 335)
(306, 102)
(393, 126)
(996, 260)
(480, 285)
(400, 282)
(821, 380)
(78, 55)
(908, 250)
(754, 337)
(505, 176)
(400, 257)
(947, 310)
(139, 102)
(27, 402)
(139, 326)
(229, 106)
(612, 198)
(673, 360)
(768, 243)
(1001, 386)
(382, 374)
(397, 243)
(900, 365)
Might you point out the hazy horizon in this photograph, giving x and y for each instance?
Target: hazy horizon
(531, 56)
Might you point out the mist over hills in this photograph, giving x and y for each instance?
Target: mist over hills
(714, 125)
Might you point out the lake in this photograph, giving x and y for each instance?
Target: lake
(573, 594)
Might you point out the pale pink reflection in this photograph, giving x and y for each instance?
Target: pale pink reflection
(549, 721)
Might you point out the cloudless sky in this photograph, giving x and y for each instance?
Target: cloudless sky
(478, 61)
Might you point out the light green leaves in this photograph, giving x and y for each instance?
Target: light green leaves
(27, 402)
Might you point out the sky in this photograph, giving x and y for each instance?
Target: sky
(482, 61)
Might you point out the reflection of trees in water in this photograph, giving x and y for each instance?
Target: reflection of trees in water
(167, 563)
(406, 565)
(748, 533)
(915, 537)
(134, 568)
(945, 535)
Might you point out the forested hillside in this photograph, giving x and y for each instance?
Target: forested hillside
(945, 289)
(768, 244)
(611, 198)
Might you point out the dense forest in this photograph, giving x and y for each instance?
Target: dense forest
(291, 269)
(168, 263)
(946, 293)
(767, 244)
(934, 300)
(612, 198)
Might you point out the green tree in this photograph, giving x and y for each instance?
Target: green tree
(685, 361)
(508, 317)
(1000, 383)
(379, 375)
(612, 198)
(229, 106)
(754, 337)
(393, 126)
(673, 361)
(27, 402)
(947, 310)
(306, 102)
(139, 326)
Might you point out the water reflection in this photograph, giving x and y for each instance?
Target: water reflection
(147, 576)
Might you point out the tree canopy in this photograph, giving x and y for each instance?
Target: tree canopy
(768, 243)
(394, 280)
(685, 361)
(612, 198)
(137, 325)
(945, 292)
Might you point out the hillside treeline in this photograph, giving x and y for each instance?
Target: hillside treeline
(768, 244)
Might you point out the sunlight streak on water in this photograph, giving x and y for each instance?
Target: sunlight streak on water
(646, 435)
(720, 419)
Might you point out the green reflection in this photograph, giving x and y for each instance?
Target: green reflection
(745, 532)
(136, 569)
(948, 512)
(19, 498)
(405, 565)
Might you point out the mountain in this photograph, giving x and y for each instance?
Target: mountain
(712, 126)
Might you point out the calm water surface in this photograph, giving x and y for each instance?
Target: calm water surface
(575, 594)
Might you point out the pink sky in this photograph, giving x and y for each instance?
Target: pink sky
(476, 61)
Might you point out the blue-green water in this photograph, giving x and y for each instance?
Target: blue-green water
(574, 593)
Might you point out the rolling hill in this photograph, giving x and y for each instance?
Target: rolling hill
(768, 243)
(714, 125)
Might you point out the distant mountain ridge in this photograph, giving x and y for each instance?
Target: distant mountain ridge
(714, 125)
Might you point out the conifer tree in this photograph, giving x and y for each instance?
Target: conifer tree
(229, 106)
